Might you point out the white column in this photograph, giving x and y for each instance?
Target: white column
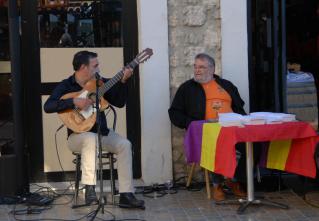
(235, 45)
(155, 92)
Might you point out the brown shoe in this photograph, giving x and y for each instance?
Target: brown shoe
(236, 188)
(218, 194)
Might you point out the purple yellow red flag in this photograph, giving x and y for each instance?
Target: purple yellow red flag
(209, 141)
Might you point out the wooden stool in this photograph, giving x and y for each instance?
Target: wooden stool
(190, 176)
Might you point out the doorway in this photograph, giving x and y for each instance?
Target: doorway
(267, 55)
(60, 25)
(283, 48)
(302, 21)
(283, 61)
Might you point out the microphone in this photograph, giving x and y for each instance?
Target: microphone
(97, 76)
(60, 128)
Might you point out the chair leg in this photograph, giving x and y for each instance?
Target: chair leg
(279, 181)
(77, 178)
(190, 175)
(207, 184)
(111, 160)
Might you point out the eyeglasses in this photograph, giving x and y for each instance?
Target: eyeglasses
(200, 67)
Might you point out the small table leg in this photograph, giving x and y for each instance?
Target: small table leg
(207, 184)
(190, 175)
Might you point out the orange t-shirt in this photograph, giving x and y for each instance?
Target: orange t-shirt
(217, 100)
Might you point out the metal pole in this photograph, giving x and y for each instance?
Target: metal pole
(17, 97)
(283, 56)
(250, 169)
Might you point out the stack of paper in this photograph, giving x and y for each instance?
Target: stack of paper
(273, 118)
(230, 119)
(256, 118)
(287, 117)
(253, 120)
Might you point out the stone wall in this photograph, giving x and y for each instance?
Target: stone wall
(194, 27)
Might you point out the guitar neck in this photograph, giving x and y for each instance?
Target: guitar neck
(116, 78)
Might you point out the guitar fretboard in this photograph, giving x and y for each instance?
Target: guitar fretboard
(110, 83)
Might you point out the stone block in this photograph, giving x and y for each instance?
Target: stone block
(194, 16)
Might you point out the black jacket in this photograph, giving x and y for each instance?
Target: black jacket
(189, 103)
(115, 96)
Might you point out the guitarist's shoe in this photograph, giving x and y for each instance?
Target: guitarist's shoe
(90, 195)
(128, 200)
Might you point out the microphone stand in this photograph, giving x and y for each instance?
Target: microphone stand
(102, 199)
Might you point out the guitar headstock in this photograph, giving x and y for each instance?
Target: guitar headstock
(144, 55)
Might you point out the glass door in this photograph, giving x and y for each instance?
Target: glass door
(267, 55)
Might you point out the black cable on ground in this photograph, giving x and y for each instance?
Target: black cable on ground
(33, 210)
(54, 194)
(154, 191)
(193, 187)
(308, 201)
(39, 210)
(160, 190)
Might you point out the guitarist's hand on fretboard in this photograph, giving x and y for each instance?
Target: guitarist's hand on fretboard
(82, 103)
(127, 74)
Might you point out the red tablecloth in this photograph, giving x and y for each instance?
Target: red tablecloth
(301, 161)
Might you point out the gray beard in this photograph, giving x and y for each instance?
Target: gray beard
(204, 81)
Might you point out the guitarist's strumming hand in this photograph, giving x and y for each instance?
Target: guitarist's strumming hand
(82, 103)
(127, 74)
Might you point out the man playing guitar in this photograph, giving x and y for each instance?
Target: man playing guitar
(86, 65)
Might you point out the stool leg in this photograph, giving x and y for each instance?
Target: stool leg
(207, 184)
(111, 159)
(77, 178)
(190, 175)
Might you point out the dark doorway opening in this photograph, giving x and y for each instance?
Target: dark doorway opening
(266, 25)
(303, 59)
(284, 56)
(283, 48)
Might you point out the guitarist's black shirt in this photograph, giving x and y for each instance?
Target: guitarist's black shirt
(116, 96)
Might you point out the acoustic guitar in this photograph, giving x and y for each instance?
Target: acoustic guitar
(83, 120)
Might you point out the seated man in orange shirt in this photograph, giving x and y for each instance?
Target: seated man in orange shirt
(203, 97)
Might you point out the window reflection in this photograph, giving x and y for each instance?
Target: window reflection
(4, 32)
(80, 23)
(6, 112)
